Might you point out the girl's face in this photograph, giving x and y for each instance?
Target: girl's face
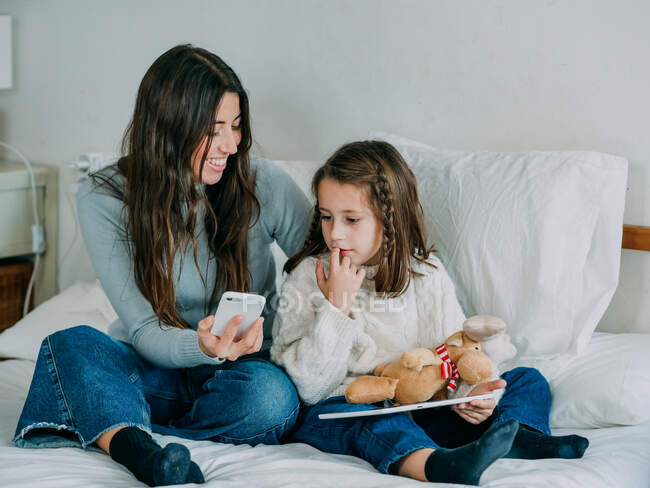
(348, 222)
(225, 139)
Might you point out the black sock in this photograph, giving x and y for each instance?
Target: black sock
(465, 464)
(156, 466)
(530, 444)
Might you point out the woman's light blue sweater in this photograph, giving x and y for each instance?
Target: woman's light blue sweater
(284, 217)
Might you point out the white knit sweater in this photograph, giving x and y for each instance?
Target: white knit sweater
(323, 350)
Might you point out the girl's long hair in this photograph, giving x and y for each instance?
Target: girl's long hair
(389, 184)
(174, 112)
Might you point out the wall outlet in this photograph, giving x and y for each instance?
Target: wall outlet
(91, 162)
(38, 239)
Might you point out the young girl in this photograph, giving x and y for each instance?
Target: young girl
(365, 288)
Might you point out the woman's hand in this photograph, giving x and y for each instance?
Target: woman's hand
(343, 282)
(478, 411)
(226, 346)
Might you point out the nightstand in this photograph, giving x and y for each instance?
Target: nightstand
(16, 219)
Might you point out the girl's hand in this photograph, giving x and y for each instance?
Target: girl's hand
(342, 284)
(478, 411)
(226, 346)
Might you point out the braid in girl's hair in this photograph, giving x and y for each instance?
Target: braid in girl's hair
(384, 198)
(399, 210)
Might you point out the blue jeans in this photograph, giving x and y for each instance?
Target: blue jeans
(86, 383)
(385, 439)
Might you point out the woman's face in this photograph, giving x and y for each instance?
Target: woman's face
(225, 139)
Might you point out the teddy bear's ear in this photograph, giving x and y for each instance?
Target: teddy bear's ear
(455, 339)
(482, 327)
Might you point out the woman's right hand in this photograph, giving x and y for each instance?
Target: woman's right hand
(226, 346)
(343, 282)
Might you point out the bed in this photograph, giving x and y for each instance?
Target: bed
(532, 237)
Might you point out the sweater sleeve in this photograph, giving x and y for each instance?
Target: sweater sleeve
(312, 340)
(100, 218)
(287, 211)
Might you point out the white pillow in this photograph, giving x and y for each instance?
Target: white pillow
(301, 172)
(608, 385)
(80, 304)
(531, 237)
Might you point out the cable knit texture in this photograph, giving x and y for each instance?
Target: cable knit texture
(323, 350)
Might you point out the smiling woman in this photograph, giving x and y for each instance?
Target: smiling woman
(183, 216)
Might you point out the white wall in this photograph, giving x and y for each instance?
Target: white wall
(479, 74)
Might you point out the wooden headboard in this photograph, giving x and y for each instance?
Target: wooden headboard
(636, 237)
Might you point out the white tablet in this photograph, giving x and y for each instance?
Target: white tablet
(404, 408)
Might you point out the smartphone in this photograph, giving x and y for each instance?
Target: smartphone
(235, 303)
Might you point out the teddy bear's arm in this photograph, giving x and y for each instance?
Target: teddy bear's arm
(371, 389)
(418, 358)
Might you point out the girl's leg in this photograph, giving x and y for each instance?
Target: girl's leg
(465, 464)
(381, 440)
(395, 443)
(249, 401)
(527, 399)
(86, 385)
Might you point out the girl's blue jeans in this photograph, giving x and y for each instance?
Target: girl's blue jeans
(384, 439)
(86, 383)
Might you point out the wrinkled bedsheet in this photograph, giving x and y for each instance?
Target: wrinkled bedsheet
(617, 457)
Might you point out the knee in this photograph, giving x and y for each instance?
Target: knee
(528, 375)
(272, 397)
(529, 379)
(75, 334)
(79, 342)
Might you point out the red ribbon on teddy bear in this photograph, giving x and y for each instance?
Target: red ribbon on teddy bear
(447, 369)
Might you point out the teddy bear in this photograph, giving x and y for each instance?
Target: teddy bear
(421, 373)
(491, 333)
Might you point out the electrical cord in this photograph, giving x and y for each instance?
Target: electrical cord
(38, 242)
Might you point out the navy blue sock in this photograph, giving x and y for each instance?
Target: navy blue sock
(530, 444)
(156, 466)
(465, 464)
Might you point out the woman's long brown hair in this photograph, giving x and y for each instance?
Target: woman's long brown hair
(389, 184)
(174, 111)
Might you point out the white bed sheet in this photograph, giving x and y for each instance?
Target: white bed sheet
(617, 457)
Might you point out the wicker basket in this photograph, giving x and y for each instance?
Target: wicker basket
(14, 278)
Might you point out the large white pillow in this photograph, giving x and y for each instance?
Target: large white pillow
(607, 385)
(531, 237)
(80, 304)
(301, 172)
